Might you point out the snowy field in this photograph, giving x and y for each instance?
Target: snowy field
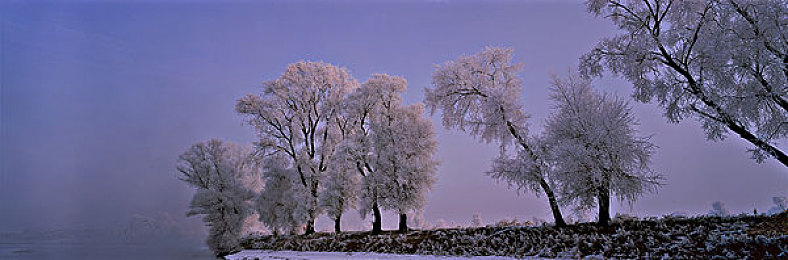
(292, 255)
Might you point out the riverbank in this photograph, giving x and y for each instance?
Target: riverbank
(675, 237)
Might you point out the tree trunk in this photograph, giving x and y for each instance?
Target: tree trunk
(559, 219)
(310, 224)
(403, 223)
(770, 149)
(310, 227)
(604, 202)
(376, 222)
(604, 209)
(337, 226)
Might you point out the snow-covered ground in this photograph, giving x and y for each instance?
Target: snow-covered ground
(292, 255)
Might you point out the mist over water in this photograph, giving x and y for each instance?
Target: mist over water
(99, 251)
(143, 237)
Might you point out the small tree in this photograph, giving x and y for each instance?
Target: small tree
(341, 185)
(477, 220)
(595, 150)
(277, 203)
(718, 209)
(480, 95)
(723, 62)
(216, 170)
(780, 205)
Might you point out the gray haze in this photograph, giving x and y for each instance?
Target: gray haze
(99, 99)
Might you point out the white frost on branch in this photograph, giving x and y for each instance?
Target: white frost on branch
(297, 116)
(405, 145)
(394, 145)
(595, 150)
(480, 95)
(217, 170)
(341, 186)
(282, 197)
(724, 63)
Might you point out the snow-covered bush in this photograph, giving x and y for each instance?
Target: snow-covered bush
(441, 223)
(252, 225)
(514, 222)
(417, 220)
(477, 220)
(718, 209)
(538, 221)
(678, 214)
(622, 217)
(780, 205)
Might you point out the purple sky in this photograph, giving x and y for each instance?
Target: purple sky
(99, 99)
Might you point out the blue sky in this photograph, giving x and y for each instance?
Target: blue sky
(99, 98)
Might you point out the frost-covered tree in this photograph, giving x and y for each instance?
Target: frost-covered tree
(393, 147)
(440, 223)
(780, 205)
(254, 181)
(595, 151)
(341, 185)
(480, 95)
(362, 107)
(417, 220)
(405, 143)
(278, 202)
(216, 170)
(296, 115)
(718, 209)
(477, 220)
(722, 62)
(581, 215)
